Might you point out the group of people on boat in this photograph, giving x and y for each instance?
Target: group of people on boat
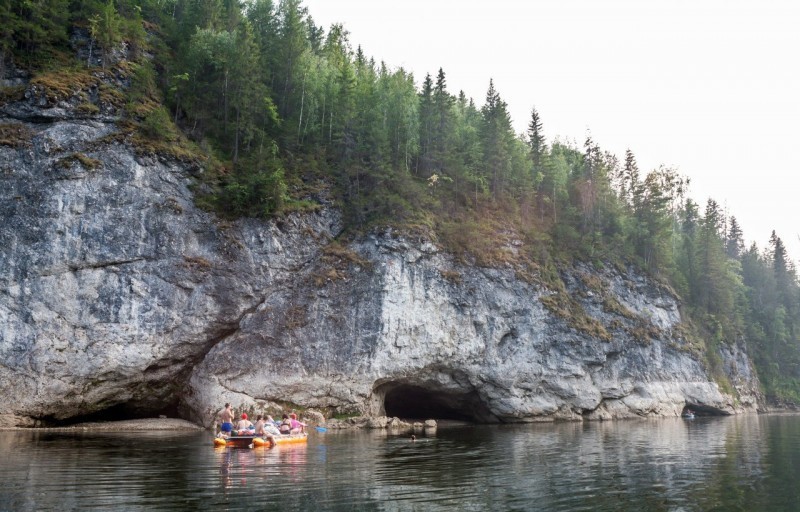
(265, 425)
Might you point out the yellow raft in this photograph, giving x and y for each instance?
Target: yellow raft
(258, 442)
(291, 438)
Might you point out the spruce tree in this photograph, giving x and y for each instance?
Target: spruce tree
(536, 141)
(497, 139)
(734, 244)
(785, 279)
(427, 123)
(443, 115)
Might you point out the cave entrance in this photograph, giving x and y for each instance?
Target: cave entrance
(118, 412)
(414, 402)
(702, 410)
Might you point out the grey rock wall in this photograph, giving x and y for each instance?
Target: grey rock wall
(118, 293)
(483, 343)
(113, 285)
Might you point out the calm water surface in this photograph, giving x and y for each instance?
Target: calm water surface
(721, 464)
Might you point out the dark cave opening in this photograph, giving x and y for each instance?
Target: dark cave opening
(411, 402)
(702, 410)
(118, 412)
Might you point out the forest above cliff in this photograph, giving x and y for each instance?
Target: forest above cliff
(280, 115)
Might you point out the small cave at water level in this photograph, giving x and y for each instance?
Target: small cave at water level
(417, 403)
(119, 412)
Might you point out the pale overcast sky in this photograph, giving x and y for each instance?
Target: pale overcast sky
(710, 87)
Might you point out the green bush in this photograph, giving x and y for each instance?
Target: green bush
(157, 124)
(254, 194)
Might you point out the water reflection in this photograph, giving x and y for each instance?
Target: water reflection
(746, 463)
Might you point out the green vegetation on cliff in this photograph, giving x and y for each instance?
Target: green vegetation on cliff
(281, 109)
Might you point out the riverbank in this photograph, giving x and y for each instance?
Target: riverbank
(148, 424)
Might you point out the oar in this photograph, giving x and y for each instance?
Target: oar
(321, 429)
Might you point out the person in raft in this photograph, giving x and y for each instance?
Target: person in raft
(244, 426)
(286, 425)
(297, 426)
(261, 429)
(226, 417)
(271, 426)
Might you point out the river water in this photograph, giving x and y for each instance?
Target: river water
(748, 463)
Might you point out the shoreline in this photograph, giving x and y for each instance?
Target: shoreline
(137, 425)
(177, 424)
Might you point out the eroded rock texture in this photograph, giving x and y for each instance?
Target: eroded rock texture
(407, 332)
(118, 294)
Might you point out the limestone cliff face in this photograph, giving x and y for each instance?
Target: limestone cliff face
(113, 285)
(408, 324)
(117, 292)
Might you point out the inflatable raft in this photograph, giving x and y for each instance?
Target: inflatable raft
(258, 441)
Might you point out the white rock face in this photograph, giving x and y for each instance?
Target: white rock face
(483, 344)
(117, 293)
(113, 285)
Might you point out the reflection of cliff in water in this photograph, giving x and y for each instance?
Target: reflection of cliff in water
(657, 464)
(731, 463)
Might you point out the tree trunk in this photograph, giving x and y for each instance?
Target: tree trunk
(236, 138)
(302, 104)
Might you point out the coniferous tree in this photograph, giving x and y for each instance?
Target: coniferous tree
(291, 45)
(29, 30)
(497, 138)
(7, 42)
(344, 112)
(591, 189)
(264, 23)
(316, 34)
(687, 254)
(197, 14)
(784, 273)
(537, 145)
(336, 52)
(563, 163)
(442, 107)
(734, 245)
(715, 293)
(248, 104)
(427, 125)
(630, 188)
(653, 221)
(104, 27)
(401, 116)
(469, 168)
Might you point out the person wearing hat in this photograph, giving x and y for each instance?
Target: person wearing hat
(244, 425)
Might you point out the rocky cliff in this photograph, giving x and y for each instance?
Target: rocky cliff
(118, 296)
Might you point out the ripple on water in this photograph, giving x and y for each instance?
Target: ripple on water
(747, 463)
